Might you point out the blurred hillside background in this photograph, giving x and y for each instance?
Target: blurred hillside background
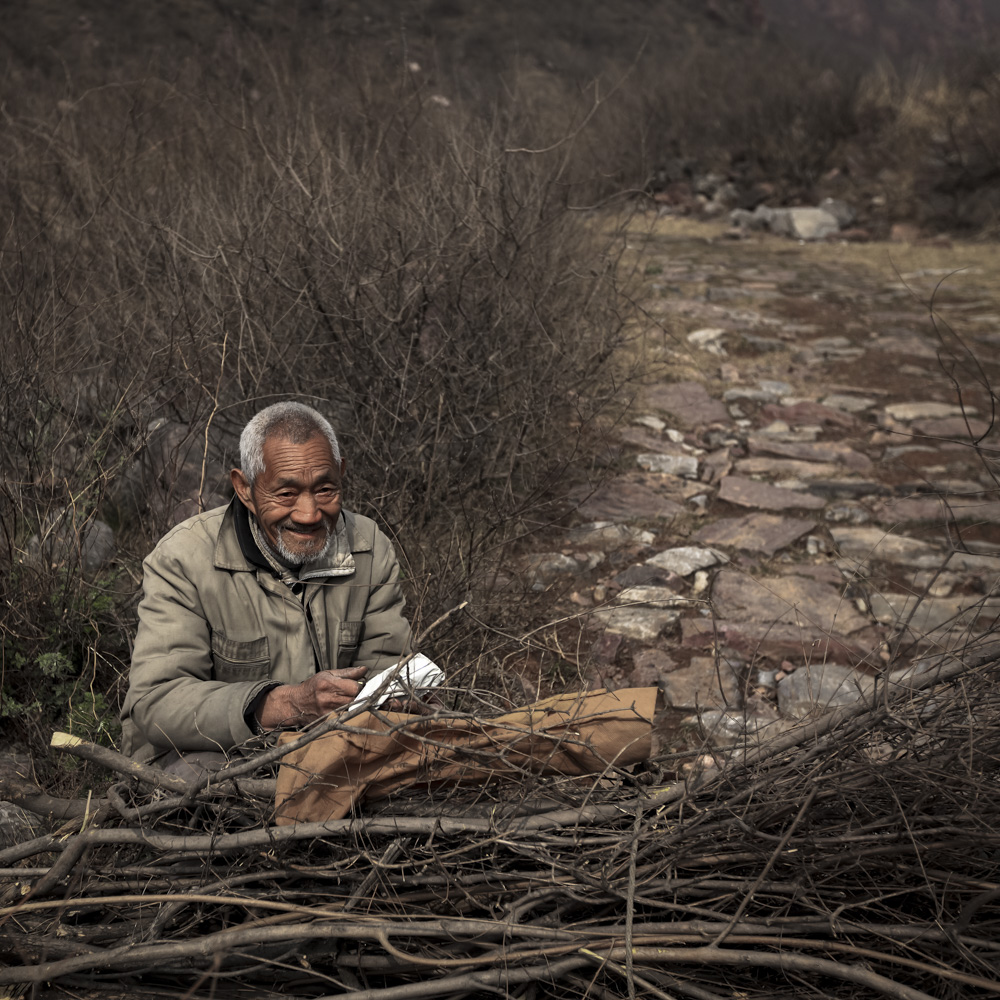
(889, 105)
(886, 103)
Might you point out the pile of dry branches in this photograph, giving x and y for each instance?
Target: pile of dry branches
(858, 855)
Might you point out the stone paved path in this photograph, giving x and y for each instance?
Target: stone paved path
(806, 495)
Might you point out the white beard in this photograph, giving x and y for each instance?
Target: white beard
(297, 558)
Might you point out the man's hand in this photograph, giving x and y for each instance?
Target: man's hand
(298, 704)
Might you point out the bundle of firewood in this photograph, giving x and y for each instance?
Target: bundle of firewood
(857, 855)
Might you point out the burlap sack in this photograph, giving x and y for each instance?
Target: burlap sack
(575, 734)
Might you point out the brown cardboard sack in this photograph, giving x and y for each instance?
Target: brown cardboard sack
(573, 734)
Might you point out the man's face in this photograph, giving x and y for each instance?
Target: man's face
(296, 498)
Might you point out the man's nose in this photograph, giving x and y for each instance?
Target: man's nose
(306, 510)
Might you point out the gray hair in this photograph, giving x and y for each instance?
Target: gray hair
(294, 421)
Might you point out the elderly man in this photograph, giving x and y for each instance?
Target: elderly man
(266, 613)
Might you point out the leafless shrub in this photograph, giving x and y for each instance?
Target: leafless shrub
(183, 252)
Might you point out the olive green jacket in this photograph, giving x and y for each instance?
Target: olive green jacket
(217, 626)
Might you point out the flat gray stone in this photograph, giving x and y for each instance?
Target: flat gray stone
(906, 346)
(846, 513)
(778, 430)
(763, 465)
(849, 404)
(938, 509)
(909, 449)
(629, 498)
(684, 560)
(779, 388)
(639, 437)
(704, 684)
(923, 615)
(653, 663)
(653, 596)
(709, 339)
(778, 641)
(830, 343)
(750, 493)
(641, 575)
(920, 671)
(653, 423)
(823, 572)
(641, 623)
(750, 395)
(794, 600)
(975, 563)
(807, 412)
(764, 345)
(866, 544)
(767, 533)
(845, 489)
(821, 687)
(932, 582)
(544, 567)
(836, 452)
(926, 410)
(688, 402)
(673, 465)
(607, 535)
(953, 428)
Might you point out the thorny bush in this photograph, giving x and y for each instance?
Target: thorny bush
(183, 251)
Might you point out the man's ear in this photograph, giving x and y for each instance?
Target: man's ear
(343, 467)
(242, 488)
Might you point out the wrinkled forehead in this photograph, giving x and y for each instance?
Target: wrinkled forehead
(308, 459)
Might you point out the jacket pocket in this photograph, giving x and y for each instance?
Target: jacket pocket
(349, 638)
(235, 660)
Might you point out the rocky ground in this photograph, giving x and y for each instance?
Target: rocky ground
(805, 498)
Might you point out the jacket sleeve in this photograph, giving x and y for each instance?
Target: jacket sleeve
(172, 700)
(386, 636)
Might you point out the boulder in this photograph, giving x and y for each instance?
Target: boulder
(821, 687)
(66, 541)
(16, 825)
(803, 223)
(544, 567)
(726, 727)
(173, 475)
(840, 210)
